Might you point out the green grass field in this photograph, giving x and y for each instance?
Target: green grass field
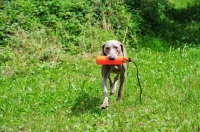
(67, 96)
(44, 86)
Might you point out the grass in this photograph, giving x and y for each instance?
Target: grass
(183, 3)
(42, 88)
(67, 96)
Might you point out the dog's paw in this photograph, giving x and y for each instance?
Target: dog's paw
(104, 106)
(105, 103)
(112, 91)
(119, 99)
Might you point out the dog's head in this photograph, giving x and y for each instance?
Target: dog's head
(112, 49)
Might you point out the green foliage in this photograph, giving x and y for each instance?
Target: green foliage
(152, 13)
(160, 18)
(183, 25)
(81, 26)
(184, 3)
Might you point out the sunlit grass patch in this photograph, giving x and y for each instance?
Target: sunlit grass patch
(183, 3)
(68, 97)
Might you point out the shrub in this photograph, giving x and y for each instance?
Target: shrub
(160, 19)
(80, 26)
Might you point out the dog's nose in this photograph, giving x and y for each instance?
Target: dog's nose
(111, 58)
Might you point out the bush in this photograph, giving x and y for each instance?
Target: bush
(80, 26)
(152, 13)
(160, 19)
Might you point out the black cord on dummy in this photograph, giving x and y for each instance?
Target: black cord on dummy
(130, 60)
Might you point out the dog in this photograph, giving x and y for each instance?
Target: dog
(112, 49)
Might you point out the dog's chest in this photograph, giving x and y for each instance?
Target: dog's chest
(117, 69)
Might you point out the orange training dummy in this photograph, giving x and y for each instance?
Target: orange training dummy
(103, 60)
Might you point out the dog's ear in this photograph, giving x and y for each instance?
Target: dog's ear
(123, 50)
(102, 50)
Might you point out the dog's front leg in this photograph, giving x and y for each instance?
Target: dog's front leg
(105, 93)
(121, 87)
(114, 85)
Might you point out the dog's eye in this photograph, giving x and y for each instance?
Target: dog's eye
(115, 47)
(107, 48)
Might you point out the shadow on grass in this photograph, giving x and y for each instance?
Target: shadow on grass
(161, 19)
(86, 104)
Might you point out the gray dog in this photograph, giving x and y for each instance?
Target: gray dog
(112, 49)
